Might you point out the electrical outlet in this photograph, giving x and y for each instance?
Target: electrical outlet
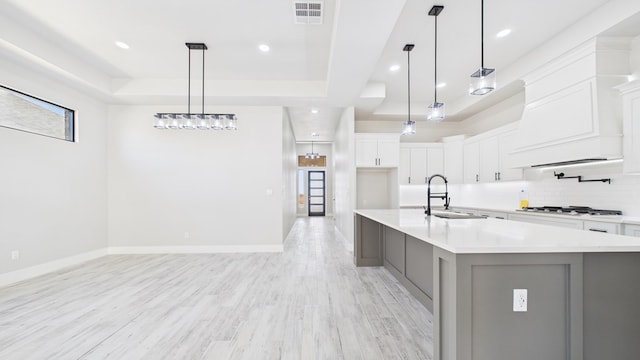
(519, 300)
(15, 254)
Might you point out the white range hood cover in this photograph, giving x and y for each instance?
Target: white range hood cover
(572, 111)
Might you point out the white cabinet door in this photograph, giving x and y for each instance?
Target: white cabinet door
(506, 143)
(632, 230)
(366, 153)
(404, 169)
(471, 162)
(435, 161)
(388, 153)
(631, 127)
(489, 159)
(454, 161)
(418, 165)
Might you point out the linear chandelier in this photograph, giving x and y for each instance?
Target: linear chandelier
(195, 121)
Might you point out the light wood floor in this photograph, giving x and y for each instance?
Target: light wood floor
(309, 302)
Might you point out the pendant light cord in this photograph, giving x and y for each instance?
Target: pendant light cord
(482, 36)
(189, 85)
(203, 82)
(435, 64)
(408, 86)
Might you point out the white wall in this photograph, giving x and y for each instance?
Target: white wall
(289, 175)
(344, 174)
(223, 188)
(325, 149)
(53, 193)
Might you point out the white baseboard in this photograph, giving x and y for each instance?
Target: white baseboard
(195, 249)
(37, 270)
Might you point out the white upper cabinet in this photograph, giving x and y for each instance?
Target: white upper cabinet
(487, 156)
(489, 159)
(404, 169)
(418, 166)
(453, 147)
(631, 124)
(471, 162)
(377, 150)
(418, 161)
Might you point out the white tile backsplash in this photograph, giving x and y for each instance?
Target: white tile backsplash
(543, 188)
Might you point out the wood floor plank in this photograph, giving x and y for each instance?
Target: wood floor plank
(309, 302)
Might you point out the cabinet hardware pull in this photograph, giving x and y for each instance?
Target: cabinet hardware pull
(598, 230)
(477, 178)
(495, 176)
(409, 179)
(499, 176)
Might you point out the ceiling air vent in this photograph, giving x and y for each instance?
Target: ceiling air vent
(308, 12)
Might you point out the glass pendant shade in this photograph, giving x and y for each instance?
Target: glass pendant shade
(409, 127)
(436, 111)
(483, 81)
(203, 122)
(231, 122)
(189, 122)
(174, 122)
(217, 123)
(161, 121)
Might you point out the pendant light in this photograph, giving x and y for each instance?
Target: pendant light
(483, 81)
(436, 109)
(192, 121)
(409, 126)
(312, 155)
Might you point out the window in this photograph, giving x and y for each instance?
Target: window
(24, 112)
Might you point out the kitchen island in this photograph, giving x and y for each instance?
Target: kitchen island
(583, 288)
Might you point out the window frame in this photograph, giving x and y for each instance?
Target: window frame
(70, 123)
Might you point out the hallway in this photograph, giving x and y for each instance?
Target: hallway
(309, 302)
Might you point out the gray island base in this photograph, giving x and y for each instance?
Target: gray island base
(583, 288)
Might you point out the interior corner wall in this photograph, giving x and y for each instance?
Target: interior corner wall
(53, 193)
(289, 175)
(345, 173)
(195, 189)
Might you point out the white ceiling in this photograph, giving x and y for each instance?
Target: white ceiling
(343, 62)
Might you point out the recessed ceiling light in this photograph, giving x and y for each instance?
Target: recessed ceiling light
(394, 68)
(264, 47)
(441, 85)
(122, 45)
(503, 33)
(314, 111)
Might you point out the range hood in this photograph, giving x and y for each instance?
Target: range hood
(572, 112)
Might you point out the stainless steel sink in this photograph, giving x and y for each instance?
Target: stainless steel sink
(459, 216)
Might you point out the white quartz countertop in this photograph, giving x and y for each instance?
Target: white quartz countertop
(474, 236)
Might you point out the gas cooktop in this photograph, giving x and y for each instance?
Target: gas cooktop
(572, 210)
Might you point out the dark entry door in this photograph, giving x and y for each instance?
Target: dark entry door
(316, 193)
